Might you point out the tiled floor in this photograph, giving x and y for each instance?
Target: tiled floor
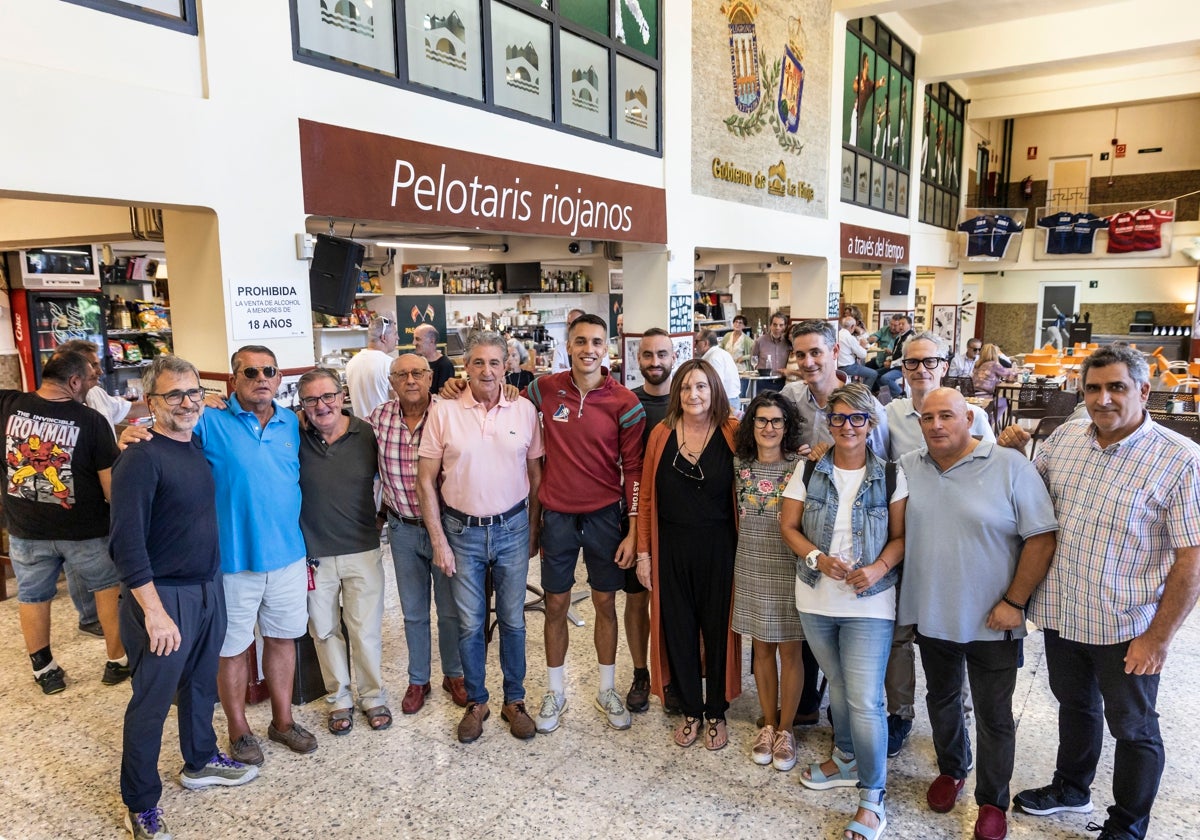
(585, 780)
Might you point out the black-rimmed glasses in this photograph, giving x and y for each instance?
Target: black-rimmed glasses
(328, 399)
(773, 422)
(930, 363)
(267, 371)
(858, 419)
(196, 395)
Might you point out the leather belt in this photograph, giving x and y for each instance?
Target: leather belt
(415, 521)
(484, 521)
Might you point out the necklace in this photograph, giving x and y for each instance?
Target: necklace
(693, 455)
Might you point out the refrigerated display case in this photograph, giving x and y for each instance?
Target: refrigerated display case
(43, 320)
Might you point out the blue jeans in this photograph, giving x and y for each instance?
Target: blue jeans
(503, 548)
(412, 556)
(1091, 686)
(853, 653)
(868, 375)
(893, 379)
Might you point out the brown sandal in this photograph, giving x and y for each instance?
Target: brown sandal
(687, 732)
(341, 721)
(716, 737)
(379, 718)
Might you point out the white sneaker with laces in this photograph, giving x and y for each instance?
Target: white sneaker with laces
(611, 706)
(550, 711)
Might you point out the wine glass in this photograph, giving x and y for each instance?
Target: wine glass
(754, 362)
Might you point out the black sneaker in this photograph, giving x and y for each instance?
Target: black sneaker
(148, 825)
(638, 698)
(671, 704)
(115, 672)
(898, 730)
(91, 627)
(1050, 800)
(53, 681)
(1107, 833)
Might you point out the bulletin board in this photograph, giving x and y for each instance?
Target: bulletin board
(632, 343)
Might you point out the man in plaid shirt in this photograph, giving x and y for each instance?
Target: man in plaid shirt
(398, 427)
(1125, 575)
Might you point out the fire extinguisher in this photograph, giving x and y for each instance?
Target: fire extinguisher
(1027, 187)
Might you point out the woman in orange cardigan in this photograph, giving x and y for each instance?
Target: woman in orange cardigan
(687, 538)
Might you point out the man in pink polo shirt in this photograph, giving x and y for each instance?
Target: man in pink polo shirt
(486, 451)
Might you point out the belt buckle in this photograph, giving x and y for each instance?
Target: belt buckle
(485, 521)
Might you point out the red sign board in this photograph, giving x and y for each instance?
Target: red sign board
(1031, 153)
(1120, 150)
(873, 246)
(373, 177)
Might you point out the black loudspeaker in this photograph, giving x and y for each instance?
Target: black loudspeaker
(333, 275)
(901, 277)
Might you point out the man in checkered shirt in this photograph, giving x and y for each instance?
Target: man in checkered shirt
(1125, 575)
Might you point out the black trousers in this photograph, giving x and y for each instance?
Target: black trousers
(991, 668)
(189, 674)
(1091, 686)
(695, 589)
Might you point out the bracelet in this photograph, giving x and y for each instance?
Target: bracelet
(1014, 604)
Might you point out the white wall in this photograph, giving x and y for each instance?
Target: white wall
(1152, 285)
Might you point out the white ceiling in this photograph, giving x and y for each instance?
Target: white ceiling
(953, 15)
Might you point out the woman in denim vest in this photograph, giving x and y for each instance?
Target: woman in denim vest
(846, 595)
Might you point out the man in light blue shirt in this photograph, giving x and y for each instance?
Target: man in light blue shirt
(976, 547)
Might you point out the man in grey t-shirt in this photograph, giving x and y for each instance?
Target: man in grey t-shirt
(976, 547)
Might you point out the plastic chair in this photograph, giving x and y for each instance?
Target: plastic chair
(1194, 369)
(963, 384)
(1047, 369)
(1038, 358)
(1058, 407)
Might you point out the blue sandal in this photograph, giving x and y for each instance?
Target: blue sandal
(855, 827)
(846, 776)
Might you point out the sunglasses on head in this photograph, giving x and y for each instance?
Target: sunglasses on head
(267, 371)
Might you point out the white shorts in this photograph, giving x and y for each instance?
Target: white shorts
(277, 600)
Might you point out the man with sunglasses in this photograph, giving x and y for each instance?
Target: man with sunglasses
(165, 546)
(253, 447)
(814, 346)
(367, 372)
(338, 449)
(923, 365)
(399, 426)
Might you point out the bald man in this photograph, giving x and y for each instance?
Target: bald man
(975, 550)
(425, 341)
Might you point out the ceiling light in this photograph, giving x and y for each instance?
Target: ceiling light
(423, 246)
(63, 251)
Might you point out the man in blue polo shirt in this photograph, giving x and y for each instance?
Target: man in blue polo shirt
(975, 549)
(253, 447)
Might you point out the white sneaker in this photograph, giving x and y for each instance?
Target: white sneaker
(551, 710)
(609, 703)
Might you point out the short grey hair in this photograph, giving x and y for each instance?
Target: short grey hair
(708, 337)
(933, 338)
(319, 373)
(486, 339)
(814, 326)
(166, 363)
(1134, 361)
(378, 326)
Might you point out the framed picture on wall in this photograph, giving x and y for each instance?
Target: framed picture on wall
(945, 324)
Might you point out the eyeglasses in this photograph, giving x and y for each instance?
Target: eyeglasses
(196, 395)
(773, 422)
(268, 371)
(858, 419)
(408, 374)
(688, 470)
(328, 399)
(930, 363)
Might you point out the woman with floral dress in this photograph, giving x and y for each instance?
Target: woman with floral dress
(764, 572)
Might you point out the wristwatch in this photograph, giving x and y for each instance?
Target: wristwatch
(810, 559)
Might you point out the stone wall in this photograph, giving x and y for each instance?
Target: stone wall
(1011, 325)
(10, 371)
(1144, 189)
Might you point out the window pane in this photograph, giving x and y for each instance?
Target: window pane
(445, 46)
(637, 25)
(585, 83)
(849, 96)
(521, 62)
(590, 13)
(350, 32)
(638, 120)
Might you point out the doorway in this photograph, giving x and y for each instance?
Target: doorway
(1068, 184)
(1057, 304)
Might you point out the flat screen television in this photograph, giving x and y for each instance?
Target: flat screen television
(520, 277)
